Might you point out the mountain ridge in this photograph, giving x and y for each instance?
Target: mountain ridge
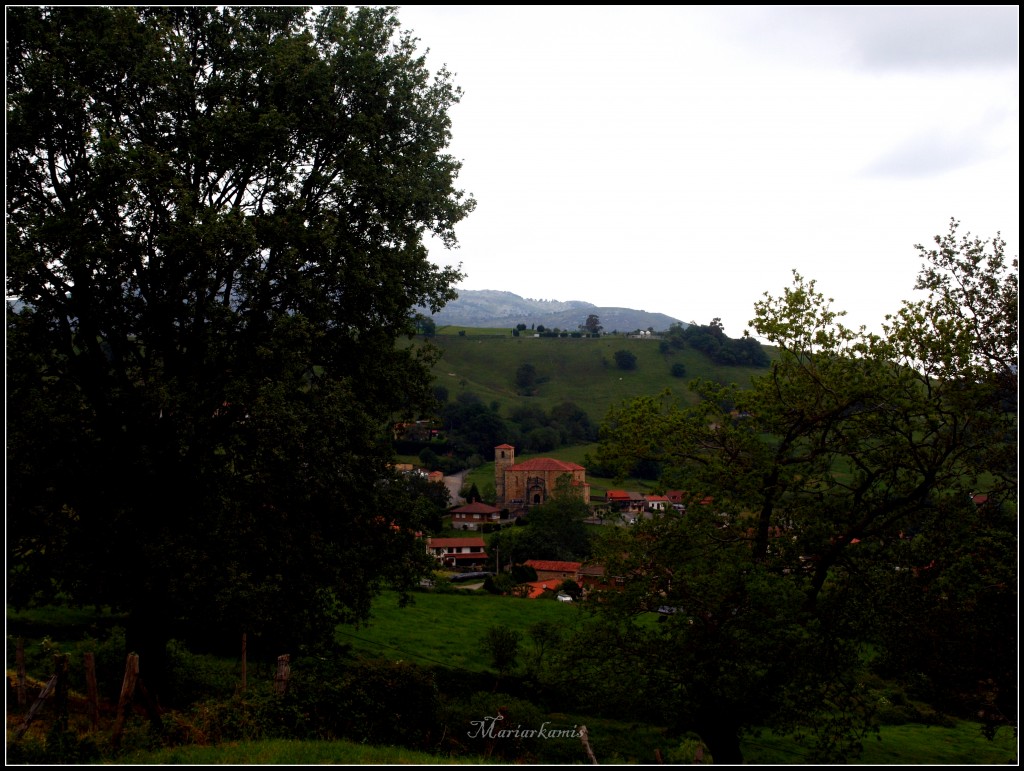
(495, 308)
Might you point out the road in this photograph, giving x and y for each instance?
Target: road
(454, 483)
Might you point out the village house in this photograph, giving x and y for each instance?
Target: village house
(474, 515)
(457, 552)
(657, 504)
(554, 570)
(519, 486)
(630, 505)
(592, 576)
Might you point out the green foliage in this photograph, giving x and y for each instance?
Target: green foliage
(502, 644)
(216, 219)
(523, 574)
(555, 529)
(503, 583)
(526, 378)
(625, 360)
(571, 588)
(476, 726)
(843, 514)
(678, 369)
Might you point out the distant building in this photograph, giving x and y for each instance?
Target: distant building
(519, 486)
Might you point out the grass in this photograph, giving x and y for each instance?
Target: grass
(580, 370)
(443, 629)
(912, 743)
(278, 752)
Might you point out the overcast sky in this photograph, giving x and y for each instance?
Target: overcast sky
(685, 160)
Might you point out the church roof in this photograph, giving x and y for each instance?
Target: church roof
(547, 464)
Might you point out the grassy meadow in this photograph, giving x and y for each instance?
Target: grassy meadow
(444, 630)
(581, 370)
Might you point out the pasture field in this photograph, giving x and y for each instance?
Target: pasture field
(580, 370)
(445, 629)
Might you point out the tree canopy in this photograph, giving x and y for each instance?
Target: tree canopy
(864, 498)
(215, 238)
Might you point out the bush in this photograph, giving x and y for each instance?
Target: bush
(473, 726)
(502, 644)
(625, 360)
(499, 584)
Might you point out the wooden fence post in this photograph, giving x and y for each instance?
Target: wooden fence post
(60, 665)
(284, 672)
(585, 739)
(92, 692)
(131, 672)
(19, 657)
(38, 705)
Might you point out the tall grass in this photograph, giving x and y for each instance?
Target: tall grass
(446, 629)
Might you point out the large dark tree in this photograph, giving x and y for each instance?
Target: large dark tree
(215, 239)
(864, 499)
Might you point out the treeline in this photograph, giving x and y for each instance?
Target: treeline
(472, 430)
(712, 341)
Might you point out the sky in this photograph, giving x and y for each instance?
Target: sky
(686, 160)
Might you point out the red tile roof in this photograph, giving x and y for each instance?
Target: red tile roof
(547, 464)
(554, 566)
(477, 507)
(435, 542)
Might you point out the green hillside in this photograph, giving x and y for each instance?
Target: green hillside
(581, 370)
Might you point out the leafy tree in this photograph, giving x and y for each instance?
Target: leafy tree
(678, 369)
(573, 423)
(526, 378)
(844, 513)
(592, 324)
(215, 238)
(502, 644)
(571, 588)
(544, 635)
(625, 360)
(473, 426)
(555, 530)
(425, 325)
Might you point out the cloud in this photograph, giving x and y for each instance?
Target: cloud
(900, 38)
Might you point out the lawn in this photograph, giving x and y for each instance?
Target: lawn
(444, 629)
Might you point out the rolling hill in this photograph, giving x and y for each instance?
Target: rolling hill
(580, 370)
(491, 308)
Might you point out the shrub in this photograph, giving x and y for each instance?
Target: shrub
(473, 726)
(625, 360)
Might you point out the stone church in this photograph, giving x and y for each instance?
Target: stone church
(519, 486)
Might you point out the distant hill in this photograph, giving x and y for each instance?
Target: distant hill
(491, 308)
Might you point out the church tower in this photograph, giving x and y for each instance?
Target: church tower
(504, 456)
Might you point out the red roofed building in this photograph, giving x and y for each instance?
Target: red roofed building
(554, 570)
(457, 552)
(656, 503)
(532, 482)
(473, 515)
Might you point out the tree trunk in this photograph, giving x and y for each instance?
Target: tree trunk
(722, 737)
(147, 635)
